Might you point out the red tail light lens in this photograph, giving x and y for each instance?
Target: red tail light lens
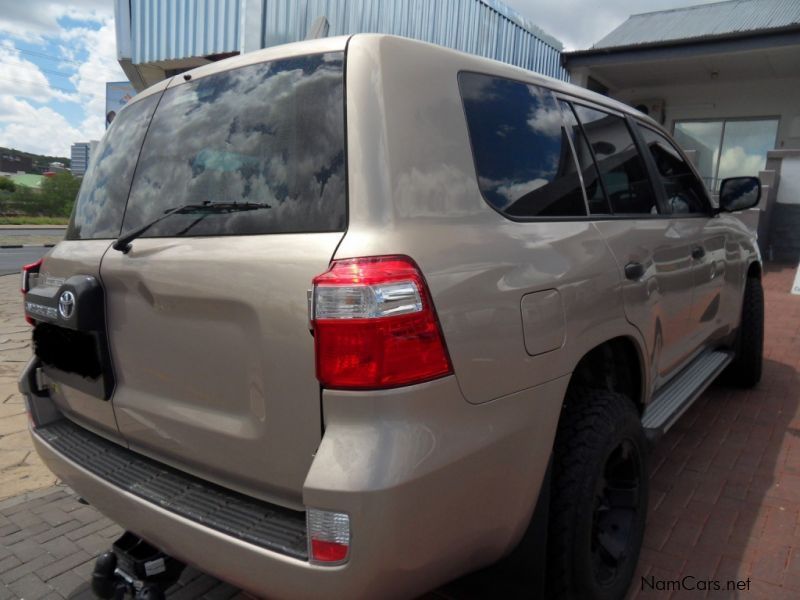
(375, 325)
(25, 285)
(329, 536)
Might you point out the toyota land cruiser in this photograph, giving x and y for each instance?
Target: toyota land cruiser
(353, 317)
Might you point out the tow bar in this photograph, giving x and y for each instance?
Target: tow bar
(133, 568)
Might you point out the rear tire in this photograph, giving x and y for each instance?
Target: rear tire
(599, 497)
(745, 370)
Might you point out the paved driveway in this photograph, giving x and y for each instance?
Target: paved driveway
(724, 506)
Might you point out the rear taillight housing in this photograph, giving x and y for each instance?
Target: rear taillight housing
(328, 536)
(375, 325)
(25, 285)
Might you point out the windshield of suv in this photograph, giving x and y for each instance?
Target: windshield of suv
(270, 133)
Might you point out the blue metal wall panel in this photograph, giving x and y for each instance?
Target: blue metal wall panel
(172, 29)
(482, 27)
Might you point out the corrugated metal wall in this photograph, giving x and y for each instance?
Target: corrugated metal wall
(170, 29)
(475, 26)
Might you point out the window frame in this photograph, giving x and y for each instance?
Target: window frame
(658, 192)
(631, 123)
(518, 218)
(709, 205)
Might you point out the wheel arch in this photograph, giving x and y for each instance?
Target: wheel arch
(617, 364)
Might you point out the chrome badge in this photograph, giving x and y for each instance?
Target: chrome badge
(66, 304)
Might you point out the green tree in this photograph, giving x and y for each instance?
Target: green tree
(58, 193)
(23, 201)
(6, 184)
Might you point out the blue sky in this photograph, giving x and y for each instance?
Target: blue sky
(55, 58)
(54, 61)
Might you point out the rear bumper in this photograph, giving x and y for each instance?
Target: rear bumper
(435, 487)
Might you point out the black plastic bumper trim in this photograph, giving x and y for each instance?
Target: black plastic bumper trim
(266, 525)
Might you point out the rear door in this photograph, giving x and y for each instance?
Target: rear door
(652, 250)
(95, 222)
(207, 311)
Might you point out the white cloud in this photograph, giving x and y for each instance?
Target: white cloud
(21, 78)
(735, 161)
(515, 191)
(545, 120)
(24, 85)
(35, 129)
(91, 76)
(34, 19)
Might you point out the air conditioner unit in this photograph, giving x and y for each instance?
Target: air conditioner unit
(653, 107)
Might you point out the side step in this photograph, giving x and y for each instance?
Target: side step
(671, 401)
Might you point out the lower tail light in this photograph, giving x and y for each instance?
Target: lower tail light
(328, 536)
(25, 285)
(375, 325)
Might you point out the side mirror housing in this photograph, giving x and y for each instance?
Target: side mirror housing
(739, 193)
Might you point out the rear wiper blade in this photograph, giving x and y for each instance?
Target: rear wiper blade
(123, 243)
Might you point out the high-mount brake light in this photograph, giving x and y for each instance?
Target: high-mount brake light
(375, 325)
(25, 285)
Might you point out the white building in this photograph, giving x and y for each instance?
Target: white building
(725, 79)
(80, 154)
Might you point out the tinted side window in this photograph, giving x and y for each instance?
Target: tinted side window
(595, 196)
(685, 193)
(104, 191)
(522, 155)
(268, 136)
(621, 167)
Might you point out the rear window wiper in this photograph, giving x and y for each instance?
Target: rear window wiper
(123, 243)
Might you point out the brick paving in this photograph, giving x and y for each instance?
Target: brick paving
(725, 480)
(724, 499)
(20, 468)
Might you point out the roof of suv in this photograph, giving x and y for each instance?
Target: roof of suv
(339, 43)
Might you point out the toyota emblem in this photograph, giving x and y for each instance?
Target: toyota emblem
(66, 304)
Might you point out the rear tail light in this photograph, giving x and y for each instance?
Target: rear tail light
(375, 325)
(328, 536)
(25, 285)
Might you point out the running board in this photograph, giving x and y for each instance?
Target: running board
(679, 394)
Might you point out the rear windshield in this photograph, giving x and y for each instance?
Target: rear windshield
(101, 201)
(268, 136)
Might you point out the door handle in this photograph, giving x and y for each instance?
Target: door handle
(698, 252)
(634, 270)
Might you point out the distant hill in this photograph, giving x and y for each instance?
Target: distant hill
(40, 162)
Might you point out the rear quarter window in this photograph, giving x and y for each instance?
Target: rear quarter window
(523, 158)
(270, 133)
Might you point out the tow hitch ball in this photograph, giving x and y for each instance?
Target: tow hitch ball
(133, 568)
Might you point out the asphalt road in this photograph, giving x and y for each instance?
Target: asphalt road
(19, 232)
(12, 259)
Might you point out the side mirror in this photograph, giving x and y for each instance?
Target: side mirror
(739, 193)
